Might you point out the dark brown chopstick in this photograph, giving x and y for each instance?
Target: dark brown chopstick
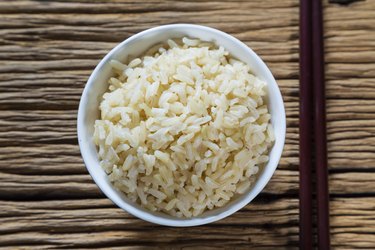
(305, 126)
(312, 74)
(320, 137)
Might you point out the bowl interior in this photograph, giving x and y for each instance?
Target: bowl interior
(136, 46)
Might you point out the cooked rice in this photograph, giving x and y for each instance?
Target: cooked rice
(183, 129)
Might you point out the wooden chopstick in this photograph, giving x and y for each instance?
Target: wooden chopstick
(305, 126)
(320, 136)
(312, 74)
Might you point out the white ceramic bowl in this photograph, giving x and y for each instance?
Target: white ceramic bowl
(137, 45)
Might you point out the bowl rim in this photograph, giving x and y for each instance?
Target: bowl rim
(149, 216)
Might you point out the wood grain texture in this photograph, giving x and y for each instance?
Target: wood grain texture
(48, 49)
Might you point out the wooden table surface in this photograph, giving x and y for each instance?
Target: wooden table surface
(48, 50)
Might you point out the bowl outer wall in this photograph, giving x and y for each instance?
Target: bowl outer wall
(136, 45)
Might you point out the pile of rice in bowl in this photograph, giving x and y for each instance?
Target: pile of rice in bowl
(183, 129)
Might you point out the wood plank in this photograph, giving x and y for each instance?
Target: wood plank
(98, 223)
(352, 223)
(38, 127)
(47, 159)
(41, 186)
(284, 182)
(262, 224)
(66, 159)
(127, 6)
